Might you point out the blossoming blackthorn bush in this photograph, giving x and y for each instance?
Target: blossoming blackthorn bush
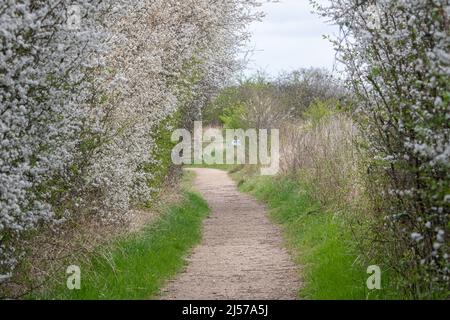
(81, 95)
(399, 69)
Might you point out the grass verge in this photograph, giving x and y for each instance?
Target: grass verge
(320, 240)
(136, 266)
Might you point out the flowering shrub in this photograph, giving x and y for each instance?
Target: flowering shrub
(396, 55)
(79, 102)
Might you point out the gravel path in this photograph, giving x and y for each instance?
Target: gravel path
(241, 255)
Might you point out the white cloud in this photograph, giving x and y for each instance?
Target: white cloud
(290, 37)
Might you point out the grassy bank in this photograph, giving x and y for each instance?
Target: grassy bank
(319, 239)
(136, 266)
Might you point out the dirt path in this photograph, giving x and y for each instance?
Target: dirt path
(241, 254)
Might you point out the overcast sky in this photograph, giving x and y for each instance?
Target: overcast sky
(288, 38)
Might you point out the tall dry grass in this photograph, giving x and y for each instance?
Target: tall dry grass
(324, 153)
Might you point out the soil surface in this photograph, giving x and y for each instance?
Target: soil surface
(241, 255)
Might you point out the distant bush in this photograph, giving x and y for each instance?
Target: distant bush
(232, 117)
(300, 88)
(263, 102)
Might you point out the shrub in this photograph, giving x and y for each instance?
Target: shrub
(397, 62)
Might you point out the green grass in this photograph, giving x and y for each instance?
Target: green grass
(319, 240)
(136, 266)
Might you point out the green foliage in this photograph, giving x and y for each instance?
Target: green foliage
(162, 164)
(319, 110)
(226, 98)
(233, 117)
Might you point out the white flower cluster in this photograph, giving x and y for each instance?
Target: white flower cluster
(83, 85)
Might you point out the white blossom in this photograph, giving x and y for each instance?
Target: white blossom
(78, 105)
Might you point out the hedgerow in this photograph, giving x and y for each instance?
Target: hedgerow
(397, 61)
(84, 86)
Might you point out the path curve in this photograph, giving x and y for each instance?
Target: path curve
(241, 255)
